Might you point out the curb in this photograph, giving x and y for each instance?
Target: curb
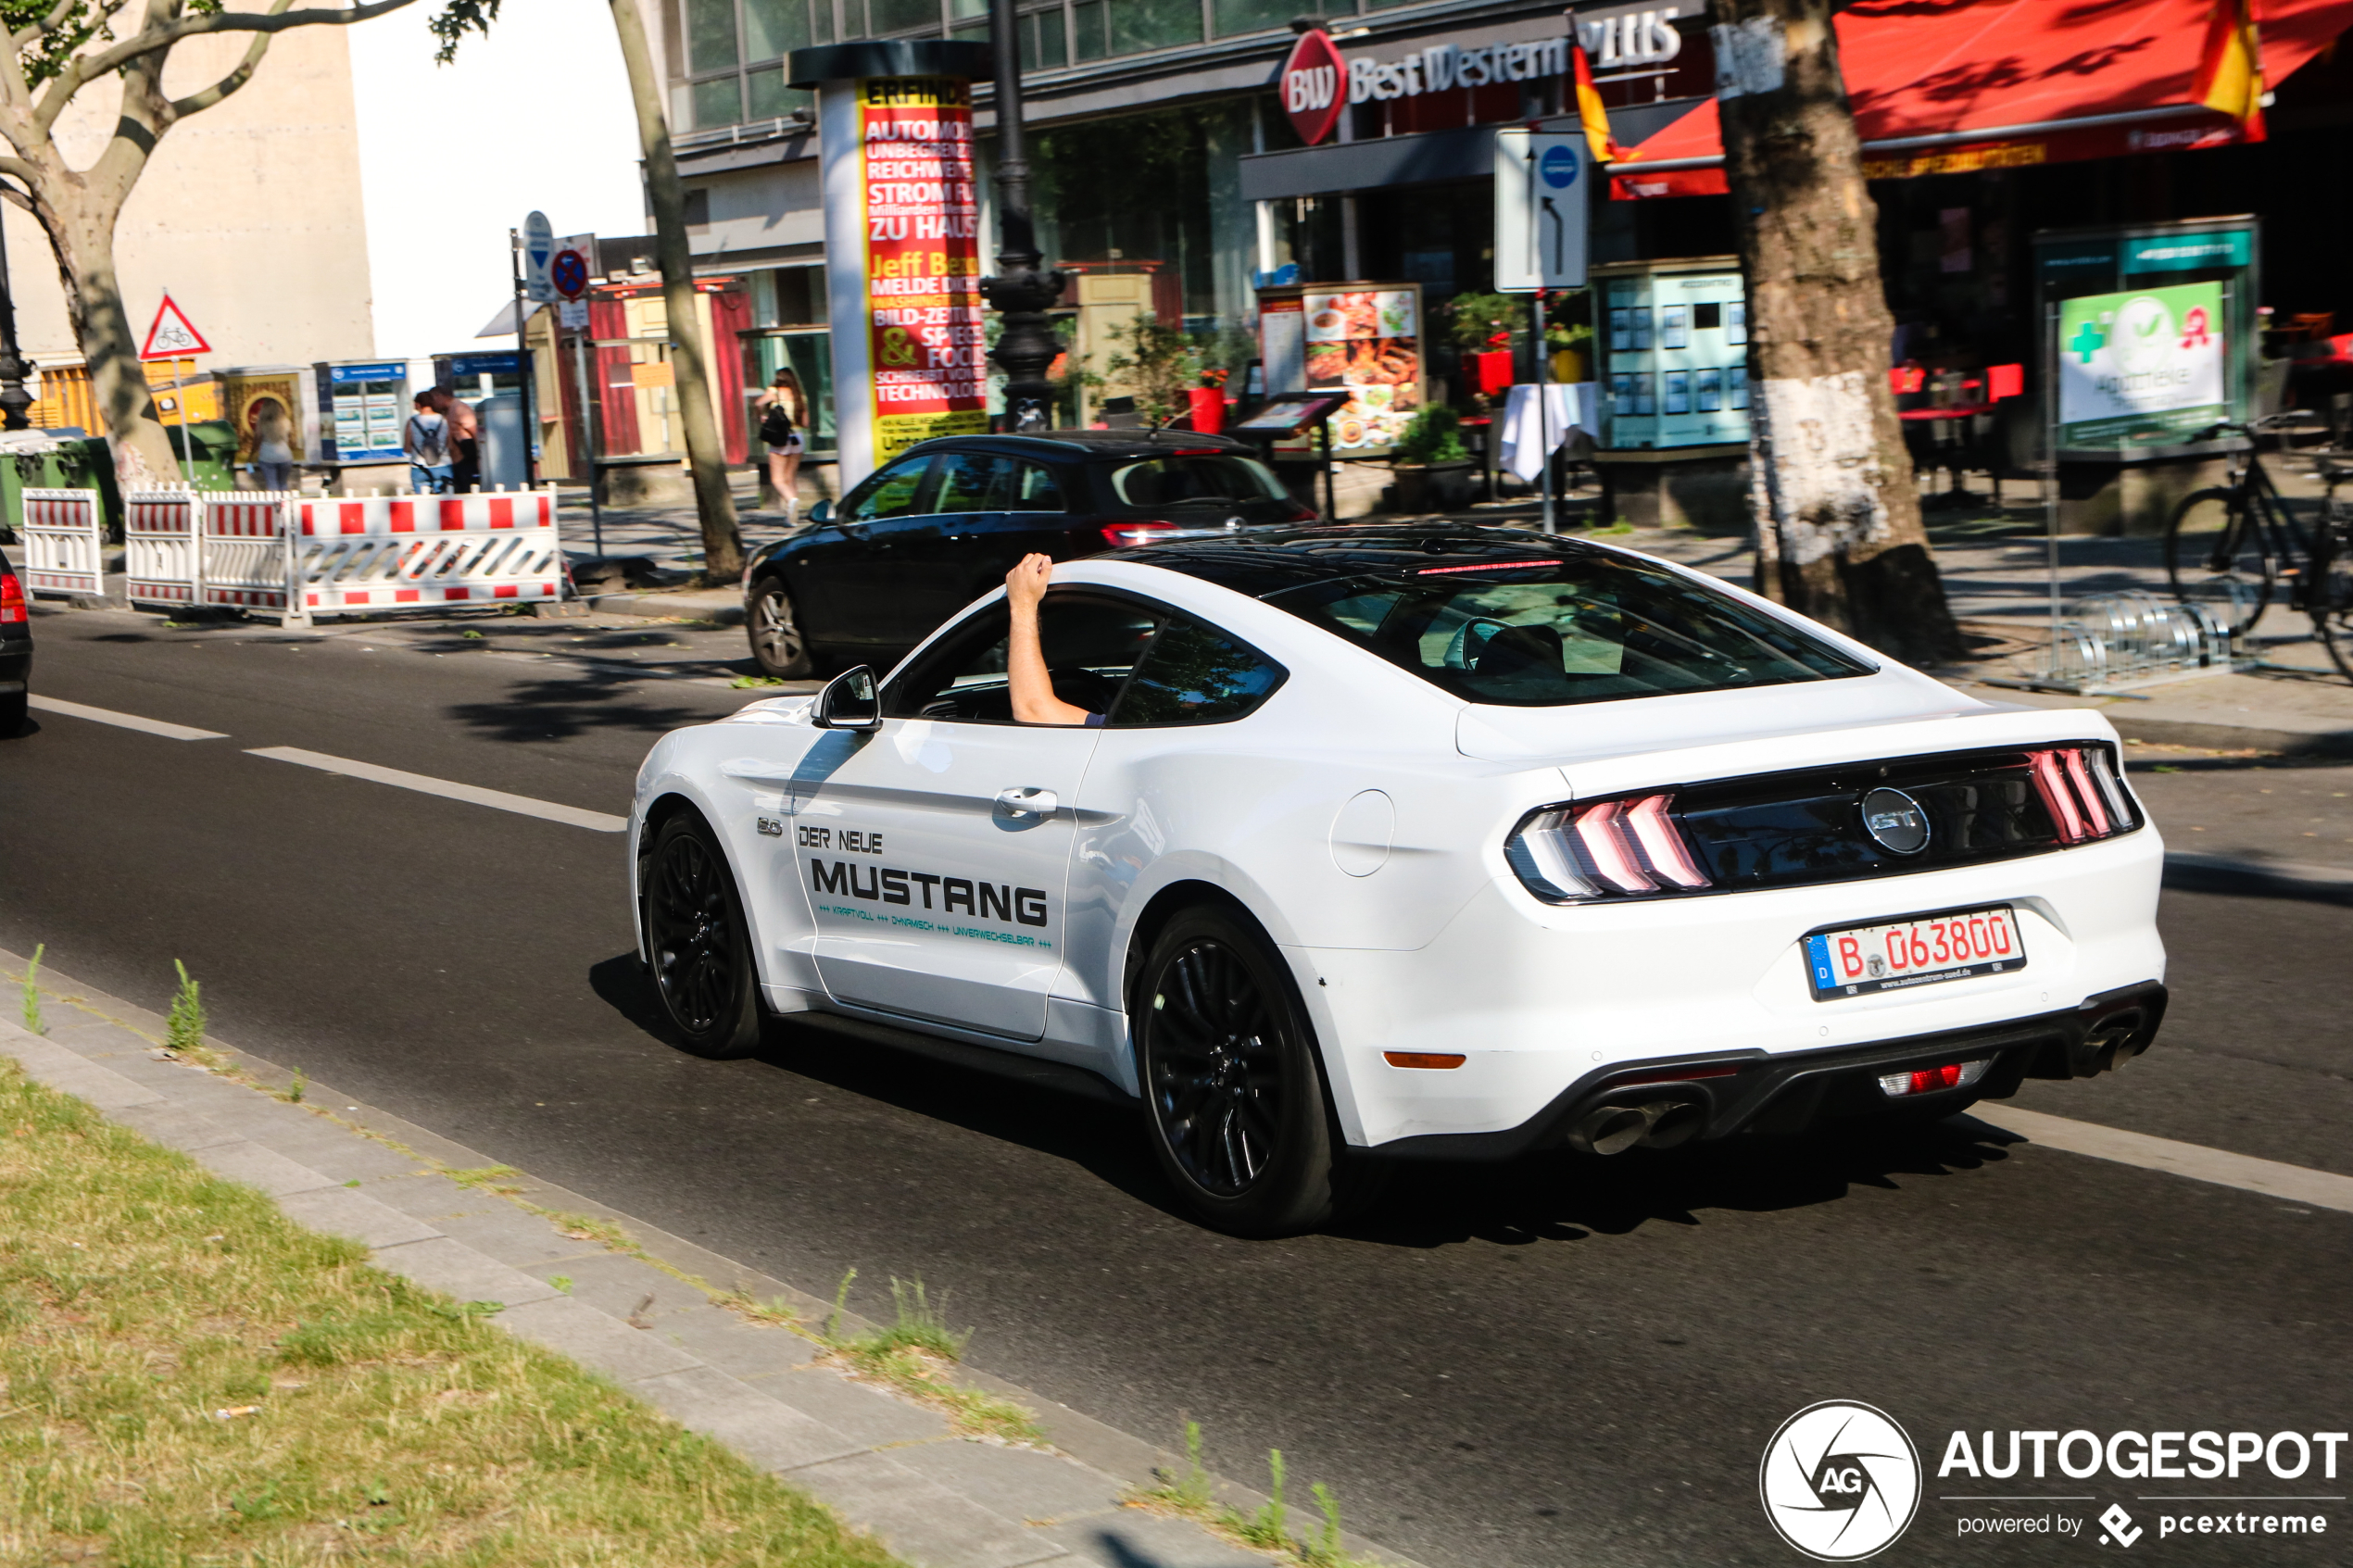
(885, 1462)
(723, 606)
(2264, 879)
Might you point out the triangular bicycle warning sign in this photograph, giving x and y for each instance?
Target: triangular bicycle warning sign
(173, 336)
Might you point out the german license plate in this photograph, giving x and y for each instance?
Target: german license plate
(1864, 959)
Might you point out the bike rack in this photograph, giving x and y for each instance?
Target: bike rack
(2112, 643)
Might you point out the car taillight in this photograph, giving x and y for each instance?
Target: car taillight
(1929, 1080)
(1304, 514)
(11, 600)
(1612, 848)
(1120, 535)
(2079, 789)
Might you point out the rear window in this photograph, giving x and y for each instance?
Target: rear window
(1211, 479)
(1549, 633)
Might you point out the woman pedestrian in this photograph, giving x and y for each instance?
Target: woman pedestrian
(783, 413)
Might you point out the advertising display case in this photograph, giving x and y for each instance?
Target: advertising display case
(362, 404)
(1363, 338)
(1674, 360)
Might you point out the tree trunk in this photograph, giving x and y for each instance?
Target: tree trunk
(1839, 535)
(723, 546)
(81, 223)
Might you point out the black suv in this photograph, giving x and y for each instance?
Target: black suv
(938, 526)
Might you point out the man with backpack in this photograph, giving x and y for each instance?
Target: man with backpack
(426, 440)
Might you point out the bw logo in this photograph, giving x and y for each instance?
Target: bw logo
(1840, 1481)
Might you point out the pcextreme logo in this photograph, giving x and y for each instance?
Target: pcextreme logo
(1840, 1481)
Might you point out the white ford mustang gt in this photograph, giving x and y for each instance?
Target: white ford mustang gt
(1414, 842)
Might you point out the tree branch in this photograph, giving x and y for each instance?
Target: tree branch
(50, 23)
(89, 68)
(230, 82)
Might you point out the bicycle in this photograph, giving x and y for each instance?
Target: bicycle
(2230, 547)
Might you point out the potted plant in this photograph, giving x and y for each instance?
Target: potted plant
(1431, 442)
(1208, 401)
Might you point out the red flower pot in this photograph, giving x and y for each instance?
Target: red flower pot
(1209, 408)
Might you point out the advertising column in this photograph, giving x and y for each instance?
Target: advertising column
(902, 242)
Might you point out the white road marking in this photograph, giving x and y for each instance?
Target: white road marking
(523, 804)
(122, 720)
(2298, 1184)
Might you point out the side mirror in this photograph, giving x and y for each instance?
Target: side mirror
(848, 702)
(822, 512)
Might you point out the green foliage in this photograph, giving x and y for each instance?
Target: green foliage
(1434, 436)
(841, 1301)
(1269, 1526)
(1158, 364)
(917, 1325)
(456, 19)
(298, 1087)
(183, 1030)
(1324, 1548)
(1472, 318)
(32, 991)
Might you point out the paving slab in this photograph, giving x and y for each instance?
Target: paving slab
(867, 1414)
(490, 1225)
(176, 1126)
(620, 1286)
(332, 1151)
(460, 1272)
(772, 1436)
(105, 1089)
(922, 1520)
(340, 1212)
(1027, 1484)
(738, 1348)
(594, 1338)
(264, 1168)
(1132, 1538)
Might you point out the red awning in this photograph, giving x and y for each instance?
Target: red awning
(1949, 86)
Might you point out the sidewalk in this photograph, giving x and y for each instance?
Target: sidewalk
(695, 1334)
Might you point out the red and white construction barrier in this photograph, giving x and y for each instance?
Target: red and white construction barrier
(64, 541)
(188, 547)
(368, 554)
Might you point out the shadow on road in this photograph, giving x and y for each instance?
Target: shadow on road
(562, 707)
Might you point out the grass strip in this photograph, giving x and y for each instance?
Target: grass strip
(187, 1376)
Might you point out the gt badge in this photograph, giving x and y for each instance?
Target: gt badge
(1895, 821)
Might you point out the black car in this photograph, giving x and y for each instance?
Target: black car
(16, 650)
(936, 527)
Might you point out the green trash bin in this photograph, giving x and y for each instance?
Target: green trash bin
(34, 460)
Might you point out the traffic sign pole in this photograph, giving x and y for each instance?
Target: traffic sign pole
(172, 336)
(568, 273)
(523, 363)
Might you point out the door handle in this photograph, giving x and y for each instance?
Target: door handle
(1026, 802)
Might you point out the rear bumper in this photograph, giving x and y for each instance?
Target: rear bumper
(16, 663)
(1798, 1091)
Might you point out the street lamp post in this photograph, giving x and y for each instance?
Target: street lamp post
(14, 398)
(1020, 292)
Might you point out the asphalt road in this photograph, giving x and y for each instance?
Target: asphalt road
(1546, 1363)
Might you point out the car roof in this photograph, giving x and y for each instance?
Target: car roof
(1267, 560)
(1066, 444)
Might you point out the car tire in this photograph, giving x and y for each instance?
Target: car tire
(777, 645)
(14, 710)
(698, 942)
(1234, 1093)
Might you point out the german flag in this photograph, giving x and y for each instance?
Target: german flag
(1594, 118)
(2230, 69)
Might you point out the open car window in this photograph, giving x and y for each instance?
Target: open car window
(1553, 631)
(1090, 644)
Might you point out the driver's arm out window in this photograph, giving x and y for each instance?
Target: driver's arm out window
(1090, 646)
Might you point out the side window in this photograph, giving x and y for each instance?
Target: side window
(1090, 647)
(1195, 674)
(1036, 491)
(890, 492)
(973, 482)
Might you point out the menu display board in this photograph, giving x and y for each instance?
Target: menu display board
(1364, 339)
(1675, 337)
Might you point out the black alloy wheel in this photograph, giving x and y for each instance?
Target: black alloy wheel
(701, 948)
(1230, 1073)
(777, 645)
